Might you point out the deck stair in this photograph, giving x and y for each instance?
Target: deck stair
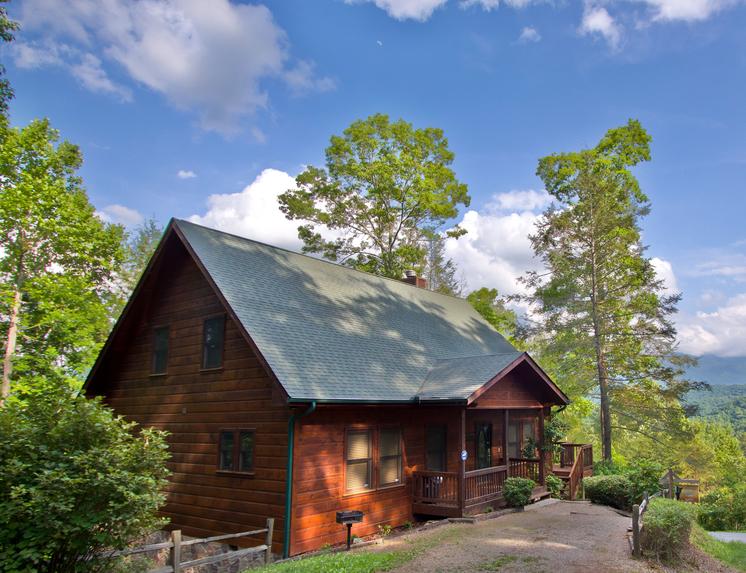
(576, 462)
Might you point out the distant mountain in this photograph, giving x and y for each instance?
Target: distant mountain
(716, 370)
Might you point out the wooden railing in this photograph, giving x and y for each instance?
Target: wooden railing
(175, 545)
(637, 512)
(525, 468)
(485, 484)
(570, 452)
(440, 488)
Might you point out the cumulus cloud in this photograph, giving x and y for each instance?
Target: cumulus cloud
(254, 212)
(721, 332)
(664, 271)
(211, 57)
(121, 215)
(598, 22)
(526, 200)
(687, 10)
(529, 35)
(93, 77)
(406, 9)
(186, 174)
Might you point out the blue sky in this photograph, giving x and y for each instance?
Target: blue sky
(207, 110)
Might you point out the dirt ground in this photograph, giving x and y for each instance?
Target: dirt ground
(551, 536)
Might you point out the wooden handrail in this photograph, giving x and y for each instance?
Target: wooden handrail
(486, 471)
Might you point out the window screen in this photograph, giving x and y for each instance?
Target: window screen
(514, 446)
(359, 460)
(435, 448)
(246, 451)
(160, 350)
(225, 461)
(212, 342)
(389, 471)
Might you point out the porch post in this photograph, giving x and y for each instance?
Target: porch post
(541, 447)
(505, 443)
(462, 465)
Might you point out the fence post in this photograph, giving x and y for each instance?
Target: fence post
(671, 493)
(175, 553)
(636, 530)
(268, 541)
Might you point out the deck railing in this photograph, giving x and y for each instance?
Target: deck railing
(439, 488)
(570, 452)
(484, 485)
(525, 468)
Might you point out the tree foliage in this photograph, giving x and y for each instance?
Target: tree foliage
(489, 303)
(75, 480)
(386, 188)
(439, 270)
(57, 258)
(7, 28)
(604, 311)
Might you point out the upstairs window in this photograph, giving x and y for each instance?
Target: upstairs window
(160, 350)
(213, 335)
(236, 451)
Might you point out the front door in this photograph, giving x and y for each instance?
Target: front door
(484, 445)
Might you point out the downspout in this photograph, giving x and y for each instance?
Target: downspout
(289, 477)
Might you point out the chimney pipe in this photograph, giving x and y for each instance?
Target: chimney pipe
(410, 277)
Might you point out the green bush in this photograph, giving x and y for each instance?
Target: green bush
(724, 509)
(613, 490)
(75, 480)
(517, 491)
(554, 485)
(667, 525)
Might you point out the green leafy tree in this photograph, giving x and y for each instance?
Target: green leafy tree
(7, 27)
(76, 481)
(489, 303)
(603, 309)
(386, 187)
(57, 258)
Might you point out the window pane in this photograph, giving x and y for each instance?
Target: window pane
(390, 442)
(358, 445)
(160, 350)
(213, 334)
(484, 446)
(528, 431)
(390, 470)
(246, 452)
(226, 451)
(435, 444)
(358, 475)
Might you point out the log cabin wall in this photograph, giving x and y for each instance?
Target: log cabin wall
(319, 489)
(194, 405)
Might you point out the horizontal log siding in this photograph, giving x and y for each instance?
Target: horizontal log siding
(318, 491)
(194, 406)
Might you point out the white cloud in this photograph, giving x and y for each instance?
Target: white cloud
(186, 174)
(664, 272)
(211, 57)
(121, 215)
(598, 21)
(254, 212)
(489, 5)
(526, 200)
(94, 78)
(406, 9)
(31, 55)
(721, 332)
(687, 10)
(528, 35)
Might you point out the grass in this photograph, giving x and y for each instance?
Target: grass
(731, 552)
(361, 561)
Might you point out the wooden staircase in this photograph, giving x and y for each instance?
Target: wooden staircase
(576, 462)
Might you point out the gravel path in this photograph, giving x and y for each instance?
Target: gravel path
(551, 536)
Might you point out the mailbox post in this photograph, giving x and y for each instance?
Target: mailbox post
(348, 518)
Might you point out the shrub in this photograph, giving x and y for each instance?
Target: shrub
(517, 491)
(75, 480)
(554, 485)
(667, 525)
(644, 476)
(613, 490)
(724, 509)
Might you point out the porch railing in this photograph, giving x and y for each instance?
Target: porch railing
(438, 488)
(570, 452)
(483, 485)
(525, 468)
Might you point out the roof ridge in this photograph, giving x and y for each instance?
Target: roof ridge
(327, 261)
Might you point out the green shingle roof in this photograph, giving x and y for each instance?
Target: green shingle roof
(332, 333)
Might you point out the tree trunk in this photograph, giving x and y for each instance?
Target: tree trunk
(10, 345)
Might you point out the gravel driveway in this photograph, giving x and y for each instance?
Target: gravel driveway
(551, 536)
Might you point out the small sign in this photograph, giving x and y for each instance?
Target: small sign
(464, 455)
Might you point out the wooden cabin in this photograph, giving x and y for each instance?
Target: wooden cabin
(293, 388)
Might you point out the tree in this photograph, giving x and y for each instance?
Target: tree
(489, 303)
(7, 27)
(385, 187)
(439, 270)
(57, 257)
(603, 309)
(75, 480)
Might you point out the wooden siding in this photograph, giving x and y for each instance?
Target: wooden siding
(519, 388)
(194, 405)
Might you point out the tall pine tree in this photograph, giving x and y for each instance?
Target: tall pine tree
(604, 311)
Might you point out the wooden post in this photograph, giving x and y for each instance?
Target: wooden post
(268, 541)
(636, 530)
(505, 443)
(175, 553)
(541, 447)
(462, 466)
(671, 493)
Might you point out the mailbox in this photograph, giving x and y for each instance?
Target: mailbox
(348, 518)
